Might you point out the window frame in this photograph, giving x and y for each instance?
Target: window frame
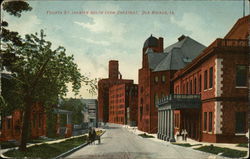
(240, 78)
(205, 80)
(210, 121)
(204, 121)
(211, 72)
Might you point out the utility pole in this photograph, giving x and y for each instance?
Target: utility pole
(244, 8)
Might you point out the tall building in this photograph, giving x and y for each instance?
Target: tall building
(123, 101)
(210, 95)
(103, 89)
(91, 113)
(158, 67)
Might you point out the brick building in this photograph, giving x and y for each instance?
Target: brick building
(103, 89)
(123, 101)
(10, 126)
(10, 123)
(158, 67)
(210, 98)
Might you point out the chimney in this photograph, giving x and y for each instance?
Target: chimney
(113, 69)
(160, 45)
(181, 37)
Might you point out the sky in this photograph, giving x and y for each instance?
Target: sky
(98, 31)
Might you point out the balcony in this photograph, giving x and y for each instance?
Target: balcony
(180, 101)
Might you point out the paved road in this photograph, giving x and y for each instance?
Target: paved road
(119, 143)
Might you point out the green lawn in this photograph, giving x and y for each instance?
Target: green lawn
(225, 151)
(243, 145)
(144, 135)
(47, 151)
(185, 144)
(7, 144)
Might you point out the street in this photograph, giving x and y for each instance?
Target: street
(119, 143)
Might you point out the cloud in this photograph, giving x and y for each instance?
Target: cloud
(197, 27)
(28, 23)
(96, 42)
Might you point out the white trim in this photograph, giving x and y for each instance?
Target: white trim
(241, 87)
(218, 118)
(218, 77)
(239, 134)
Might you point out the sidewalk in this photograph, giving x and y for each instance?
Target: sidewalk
(190, 141)
(48, 142)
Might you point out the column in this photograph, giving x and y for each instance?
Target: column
(158, 125)
(172, 139)
(168, 126)
(163, 125)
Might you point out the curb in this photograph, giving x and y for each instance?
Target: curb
(71, 151)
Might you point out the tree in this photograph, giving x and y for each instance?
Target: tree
(41, 75)
(76, 106)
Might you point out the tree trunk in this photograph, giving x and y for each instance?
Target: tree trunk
(26, 123)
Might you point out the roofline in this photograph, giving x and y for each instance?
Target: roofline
(240, 21)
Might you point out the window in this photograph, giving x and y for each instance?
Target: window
(156, 79)
(210, 121)
(241, 75)
(205, 121)
(34, 120)
(190, 87)
(156, 99)
(141, 89)
(0, 121)
(141, 110)
(163, 78)
(240, 122)
(40, 120)
(194, 85)
(200, 84)
(205, 80)
(211, 77)
(187, 88)
(8, 123)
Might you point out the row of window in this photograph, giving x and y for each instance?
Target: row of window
(117, 101)
(117, 112)
(118, 119)
(208, 127)
(163, 79)
(191, 86)
(177, 120)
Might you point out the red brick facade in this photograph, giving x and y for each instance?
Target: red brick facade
(123, 100)
(103, 90)
(11, 125)
(221, 98)
(152, 86)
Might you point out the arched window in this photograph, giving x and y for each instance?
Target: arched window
(156, 79)
(163, 78)
(156, 99)
(194, 85)
(190, 87)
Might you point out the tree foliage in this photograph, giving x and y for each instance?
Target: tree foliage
(76, 106)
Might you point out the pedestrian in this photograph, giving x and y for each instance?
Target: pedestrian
(90, 135)
(93, 135)
(185, 134)
(182, 134)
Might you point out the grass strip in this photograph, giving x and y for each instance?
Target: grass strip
(144, 135)
(224, 151)
(46, 151)
(243, 145)
(186, 144)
